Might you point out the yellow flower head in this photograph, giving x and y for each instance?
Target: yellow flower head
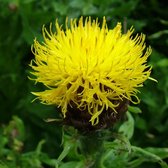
(90, 66)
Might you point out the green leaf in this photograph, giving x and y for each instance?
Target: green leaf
(134, 109)
(165, 22)
(3, 165)
(148, 156)
(67, 148)
(39, 147)
(162, 63)
(60, 8)
(161, 152)
(117, 151)
(20, 126)
(158, 34)
(72, 164)
(77, 4)
(127, 128)
(140, 123)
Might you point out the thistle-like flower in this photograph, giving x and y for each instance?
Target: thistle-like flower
(90, 72)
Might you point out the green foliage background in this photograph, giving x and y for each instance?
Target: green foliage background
(20, 23)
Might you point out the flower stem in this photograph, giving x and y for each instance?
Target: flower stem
(92, 148)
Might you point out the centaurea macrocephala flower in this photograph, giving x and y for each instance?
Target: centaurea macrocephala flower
(90, 68)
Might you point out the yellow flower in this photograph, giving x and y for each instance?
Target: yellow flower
(90, 66)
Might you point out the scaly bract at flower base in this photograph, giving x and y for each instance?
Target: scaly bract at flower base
(90, 66)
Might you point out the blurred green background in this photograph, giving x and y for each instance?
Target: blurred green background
(21, 21)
